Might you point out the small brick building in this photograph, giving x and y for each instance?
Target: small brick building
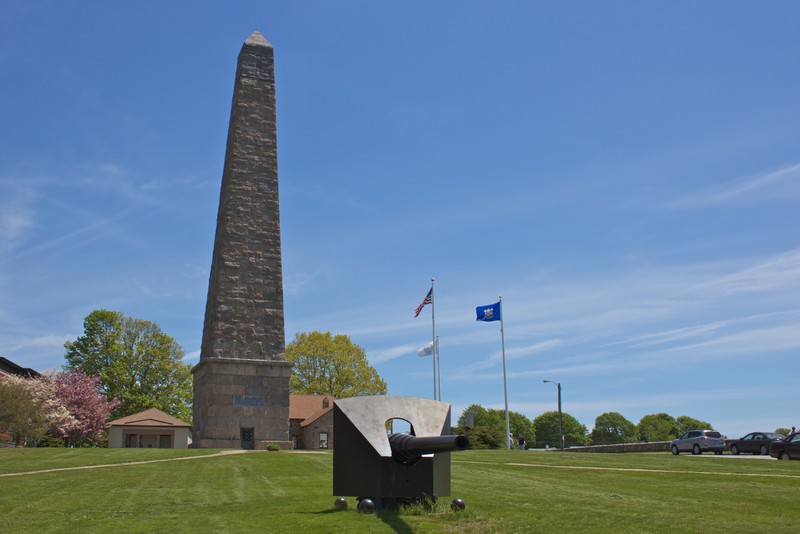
(311, 421)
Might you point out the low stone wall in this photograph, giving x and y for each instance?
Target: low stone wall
(655, 446)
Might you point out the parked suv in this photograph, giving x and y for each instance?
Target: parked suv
(699, 441)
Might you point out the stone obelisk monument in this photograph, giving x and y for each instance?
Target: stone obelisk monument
(241, 384)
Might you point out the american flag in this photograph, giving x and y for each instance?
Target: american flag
(427, 300)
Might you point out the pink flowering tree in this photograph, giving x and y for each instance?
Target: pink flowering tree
(86, 404)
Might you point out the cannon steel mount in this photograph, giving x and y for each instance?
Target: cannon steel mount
(383, 469)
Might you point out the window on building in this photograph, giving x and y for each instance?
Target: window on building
(323, 440)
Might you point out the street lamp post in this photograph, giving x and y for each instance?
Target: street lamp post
(560, 422)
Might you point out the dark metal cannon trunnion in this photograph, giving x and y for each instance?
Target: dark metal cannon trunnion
(391, 469)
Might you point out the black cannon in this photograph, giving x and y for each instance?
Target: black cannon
(388, 469)
(408, 449)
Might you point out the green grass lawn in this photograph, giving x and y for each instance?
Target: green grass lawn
(505, 491)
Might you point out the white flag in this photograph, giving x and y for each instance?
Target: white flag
(426, 350)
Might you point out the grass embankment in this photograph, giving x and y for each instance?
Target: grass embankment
(505, 491)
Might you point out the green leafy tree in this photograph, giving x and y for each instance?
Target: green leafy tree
(137, 364)
(331, 365)
(612, 427)
(484, 428)
(657, 427)
(784, 431)
(546, 426)
(488, 427)
(520, 425)
(473, 416)
(484, 438)
(684, 423)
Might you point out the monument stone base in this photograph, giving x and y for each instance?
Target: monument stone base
(241, 404)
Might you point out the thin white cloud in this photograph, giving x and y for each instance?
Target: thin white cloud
(746, 343)
(515, 353)
(88, 233)
(192, 357)
(15, 222)
(595, 319)
(786, 174)
(295, 282)
(19, 206)
(536, 348)
(781, 271)
(594, 309)
(678, 334)
(469, 374)
(118, 181)
(385, 355)
(16, 216)
(781, 183)
(46, 341)
(476, 370)
(701, 330)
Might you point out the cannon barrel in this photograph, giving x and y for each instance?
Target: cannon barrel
(407, 448)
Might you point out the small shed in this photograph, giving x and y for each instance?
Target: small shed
(150, 429)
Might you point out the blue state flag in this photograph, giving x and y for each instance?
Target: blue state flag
(488, 313)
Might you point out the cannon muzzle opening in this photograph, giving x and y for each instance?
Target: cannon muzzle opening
(407, 449)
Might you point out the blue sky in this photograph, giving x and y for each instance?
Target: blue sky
(625, 174)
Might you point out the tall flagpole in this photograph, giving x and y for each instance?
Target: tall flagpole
(438, 365)
(433, 339)
(505, 388)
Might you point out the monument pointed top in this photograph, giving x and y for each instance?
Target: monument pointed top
(257, 40)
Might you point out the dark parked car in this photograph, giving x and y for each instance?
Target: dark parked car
(698, 441)
(755, 443)
(786, 449)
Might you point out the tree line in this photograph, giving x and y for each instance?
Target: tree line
(486, 428)
(122, 365)
(136, 363)
(118, 367)
(65, 408)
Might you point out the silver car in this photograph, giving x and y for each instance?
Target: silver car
(698, 442)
